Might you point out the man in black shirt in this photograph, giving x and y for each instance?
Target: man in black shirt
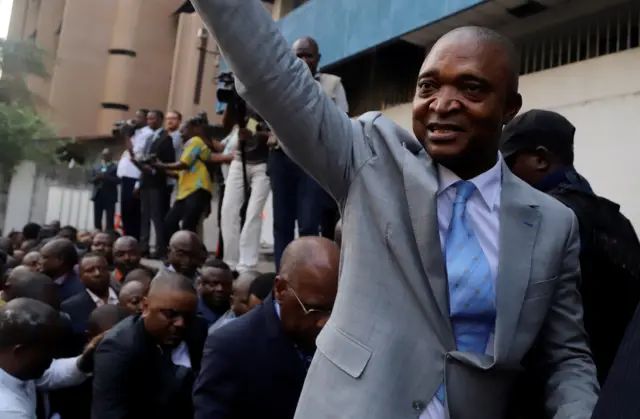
(538, 148)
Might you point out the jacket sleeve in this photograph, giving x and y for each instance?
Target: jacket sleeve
(313, 131)
(111, 377)
(216, 389)
(571, 384)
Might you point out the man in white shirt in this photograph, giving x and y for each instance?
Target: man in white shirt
(129, 175)
(29, 332)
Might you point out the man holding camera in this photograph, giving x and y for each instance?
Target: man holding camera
(135, 133)
(155, 193)
(296, 195)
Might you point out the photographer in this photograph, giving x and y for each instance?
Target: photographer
(194, 182)
(155, 194)
(135, 134)
(248, 169)
(247, 183)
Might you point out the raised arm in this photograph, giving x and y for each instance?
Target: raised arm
(314, 132)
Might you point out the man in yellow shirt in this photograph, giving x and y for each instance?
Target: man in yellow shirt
(194, 182)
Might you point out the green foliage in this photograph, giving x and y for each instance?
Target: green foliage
(18, 61)
(24, 135)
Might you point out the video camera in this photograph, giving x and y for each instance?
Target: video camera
(124, 127)
(228, 94)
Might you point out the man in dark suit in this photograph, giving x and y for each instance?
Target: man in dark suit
(94, 274)
(618, 398)
(155, 193)
(104, 178)
(58, 260)
(256, 365)
(145, 366)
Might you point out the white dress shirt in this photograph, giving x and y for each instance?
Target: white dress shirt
(18, 398)
(180, 355)
(125, 167)
(483, 212)
(112, 300)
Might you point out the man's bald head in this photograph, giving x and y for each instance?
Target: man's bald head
(306, 48)
(186, 253)
(306, 287)
(24, 320)
(169, 308)
(125, 241)
(309, 252)
(23, 283)
(185, 236)
(166, 281)
(62, 249)
(31, 260)
(485, 35)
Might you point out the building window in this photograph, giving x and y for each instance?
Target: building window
(603, 34)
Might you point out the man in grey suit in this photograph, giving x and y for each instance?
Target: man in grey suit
(452, 269)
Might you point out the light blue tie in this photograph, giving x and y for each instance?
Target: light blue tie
(471, 294)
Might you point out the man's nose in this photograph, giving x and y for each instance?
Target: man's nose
(445, 100)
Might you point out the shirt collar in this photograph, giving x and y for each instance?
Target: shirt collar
(10, 381)
(60, 280)
(487, 183)
(111, 300)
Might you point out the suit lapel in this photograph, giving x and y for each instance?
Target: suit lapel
(519, 222)
(421, 186)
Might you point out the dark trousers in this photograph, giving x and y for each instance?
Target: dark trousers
(296, 196)
(100, 206)
(189, 211)
(129, 208)
(153, 201)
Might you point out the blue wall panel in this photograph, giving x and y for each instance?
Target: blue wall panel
(346, 27)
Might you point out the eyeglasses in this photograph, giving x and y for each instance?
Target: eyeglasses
(305, 310)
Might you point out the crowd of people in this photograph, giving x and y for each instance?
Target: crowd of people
(166, 177)
(64, 289)
(475, 273)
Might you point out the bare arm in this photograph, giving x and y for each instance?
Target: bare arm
(313, 131)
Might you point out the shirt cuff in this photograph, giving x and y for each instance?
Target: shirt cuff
(137, 185)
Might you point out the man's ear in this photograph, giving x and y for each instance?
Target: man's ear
(279, 286)
(513, 107)
(543, 158)
(145, 305)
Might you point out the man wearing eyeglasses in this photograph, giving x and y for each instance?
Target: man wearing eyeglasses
(256, 365)
(145, 366)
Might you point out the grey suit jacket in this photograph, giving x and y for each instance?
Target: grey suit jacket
(389, 343)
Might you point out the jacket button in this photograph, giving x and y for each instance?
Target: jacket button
(418, 405)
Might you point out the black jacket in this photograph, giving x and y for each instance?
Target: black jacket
(106, 189)
(133, 380)
(163, 149)
(250, 370)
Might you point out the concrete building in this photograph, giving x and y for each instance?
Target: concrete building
(579, 58)
(108, 58)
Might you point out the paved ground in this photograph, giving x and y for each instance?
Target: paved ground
(264, 265)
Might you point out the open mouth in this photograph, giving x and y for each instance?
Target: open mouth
(443, 132)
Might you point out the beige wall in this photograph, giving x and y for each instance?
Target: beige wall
(185, 68)
(84, 75)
